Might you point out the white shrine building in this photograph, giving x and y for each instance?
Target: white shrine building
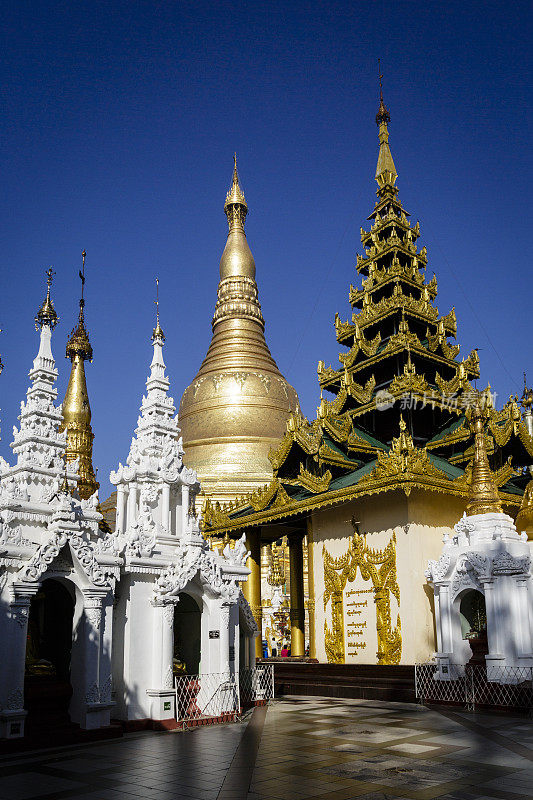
(94, 625)
(482, 583)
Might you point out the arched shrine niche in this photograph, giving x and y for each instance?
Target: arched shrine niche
(47, 684)
(473, 618)
(49, 642)
(187, 635)
(472, 613)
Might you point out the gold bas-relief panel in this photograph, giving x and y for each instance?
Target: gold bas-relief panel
(348, 630)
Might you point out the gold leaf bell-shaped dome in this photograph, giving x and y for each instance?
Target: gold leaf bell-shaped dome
(237, 406)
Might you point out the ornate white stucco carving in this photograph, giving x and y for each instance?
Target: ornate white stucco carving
(239, 554)
(247, 614)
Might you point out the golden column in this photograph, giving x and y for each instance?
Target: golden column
(251, 588)
(311, 585)
(297, 614)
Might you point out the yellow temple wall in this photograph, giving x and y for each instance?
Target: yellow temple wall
(418, 523)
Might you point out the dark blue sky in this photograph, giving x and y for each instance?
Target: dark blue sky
(119, 122)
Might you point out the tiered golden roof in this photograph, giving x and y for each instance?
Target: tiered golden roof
(398, 417)
(237, 406)
(76, 407)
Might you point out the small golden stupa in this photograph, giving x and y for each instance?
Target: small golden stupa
(237, 406)
(76, 408)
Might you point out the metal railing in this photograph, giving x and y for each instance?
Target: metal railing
(475, 686)
(256, 685)
(221, 697)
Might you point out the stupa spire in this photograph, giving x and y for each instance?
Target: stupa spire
(385, 171)
(483, 495)
(237, 405)
(158, 331)
(237, 259)
(157, 381)
(76, 407)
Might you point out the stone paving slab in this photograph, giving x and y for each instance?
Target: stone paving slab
(296, 749)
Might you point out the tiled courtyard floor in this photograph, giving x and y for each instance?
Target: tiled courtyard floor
(297, 748)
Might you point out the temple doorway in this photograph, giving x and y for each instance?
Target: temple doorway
(187, 635)
(47, 688)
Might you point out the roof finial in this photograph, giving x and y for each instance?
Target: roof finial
(82, 276)
(235, 205)
(483, 495)
(385, 171)
(158, 331)
(78, 343)
(47, 314)
(383, 114)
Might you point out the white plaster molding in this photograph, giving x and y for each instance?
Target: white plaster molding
(506, 564)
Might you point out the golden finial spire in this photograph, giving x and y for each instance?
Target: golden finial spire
(47, 313)
(78, 343)
(76, 407)
(235, 205)
(385, 171)
(383, 114)
(483, 495)
(158, 330)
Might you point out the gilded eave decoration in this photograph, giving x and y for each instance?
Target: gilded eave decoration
(403, 463)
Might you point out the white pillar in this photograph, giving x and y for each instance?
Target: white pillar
(234, 662)
(92, 609)
(120, 508)
(162, 692)
(446, 619)
(105, 668)
(165, 507)
(523, 622)
(494, 619)
(184, 507)
(13, 714)
(132, 504)
(437, 619)
(224, 638)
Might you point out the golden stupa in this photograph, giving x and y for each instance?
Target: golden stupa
(237, 406)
